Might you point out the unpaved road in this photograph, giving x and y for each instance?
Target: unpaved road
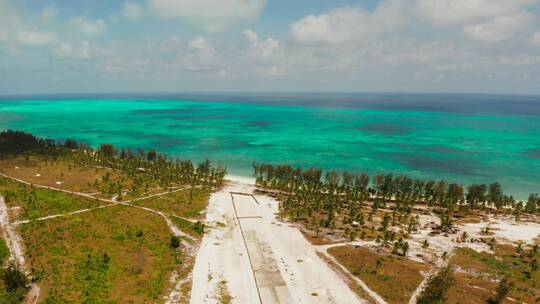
(14, 243)
(254, 258)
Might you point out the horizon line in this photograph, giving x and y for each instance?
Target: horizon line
(255, 93)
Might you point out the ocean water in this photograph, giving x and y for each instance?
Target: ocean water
(459, 138)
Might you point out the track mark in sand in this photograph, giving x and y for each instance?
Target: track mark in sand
(441, 263)
(271, 287)
(246, 246)
(16, 249)
(271, 284)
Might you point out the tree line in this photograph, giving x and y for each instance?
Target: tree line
(403, 190)
(137, 163)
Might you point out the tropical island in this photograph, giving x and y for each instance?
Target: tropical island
(107, 224)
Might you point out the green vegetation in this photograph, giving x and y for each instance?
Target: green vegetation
(356, 206)
(502, 291)
(391, 277)
(386, 208)
(117, 254)
(185, 203)
(143, 169)
(437, 287)
(195, 229)
(4, 251)
(37, 202)
(13, 282)
(175, 242)
(511, 266)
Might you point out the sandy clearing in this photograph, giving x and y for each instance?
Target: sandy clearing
(508, 229)
(177, 295)
(281, 266)
(11, 236)
(504, 229)
(14, 243)
(222, 256)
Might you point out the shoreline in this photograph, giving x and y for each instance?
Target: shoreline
(240, 179)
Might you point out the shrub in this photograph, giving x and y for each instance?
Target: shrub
(437, 286)
(14, 278)
(502, 291)
(175, 241)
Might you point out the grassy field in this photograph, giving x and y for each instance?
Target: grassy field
(66, 175)
(36, 202)
(178, 203)
(112, 255)
(6, 296)
(478, 274)
(394, 279)
(59, 174)
(99, 182)
(118, 254)
(4, 251)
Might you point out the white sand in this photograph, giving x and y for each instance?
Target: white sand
(11, 236)
(14, 243)
(286, 268)
(507, 229)
(241, 179)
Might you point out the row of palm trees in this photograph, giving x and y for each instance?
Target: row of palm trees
(152, 164)
(136, 164)
(350, 204)
(402, 189)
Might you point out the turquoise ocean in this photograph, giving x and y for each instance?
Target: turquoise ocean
(459, 138)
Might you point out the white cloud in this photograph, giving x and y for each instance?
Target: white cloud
(88, 27)
(35, 38)
(132, 10)
(201, 55)
(350, 23)
(266, 48)
(262, 57)
(49, 13)
(315, 29)
(78, 51)
(210, 15)
(498, 29)
(459, 12)
(271, 71)
(17, 32)
(535, 39)
(251, 36)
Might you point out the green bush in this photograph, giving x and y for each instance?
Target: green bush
(437, 286)
(175, 242)
(14, 278)
(4, 251)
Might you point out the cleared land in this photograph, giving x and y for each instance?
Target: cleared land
(252, 258)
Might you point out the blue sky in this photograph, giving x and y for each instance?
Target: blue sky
(56, 46)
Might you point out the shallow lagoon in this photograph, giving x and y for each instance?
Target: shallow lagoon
(462, 138)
